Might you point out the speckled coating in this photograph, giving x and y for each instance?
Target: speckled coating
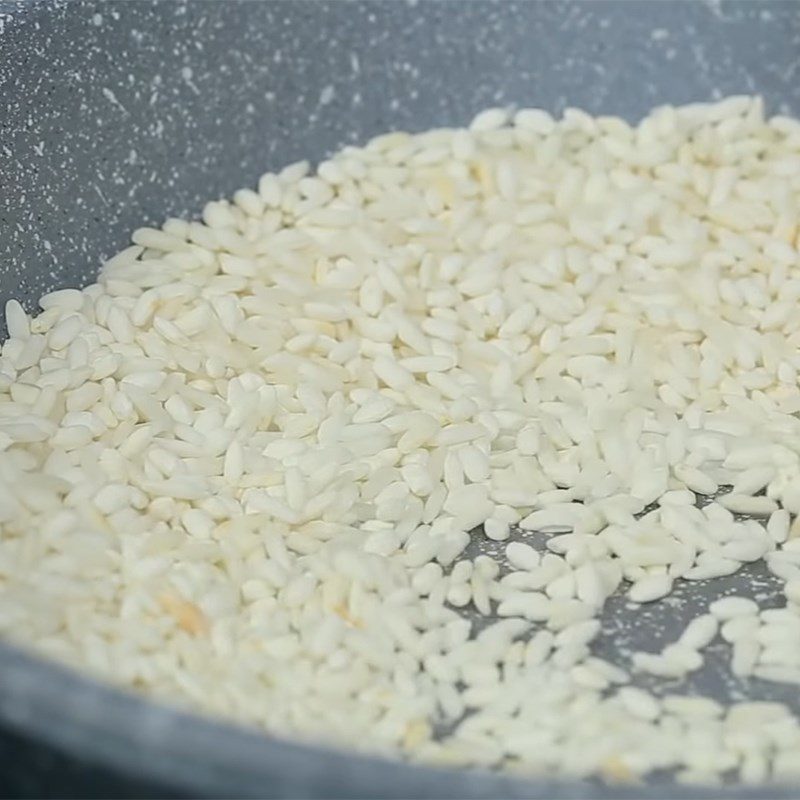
(115, 115)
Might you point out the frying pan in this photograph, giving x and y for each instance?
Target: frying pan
(114, 115)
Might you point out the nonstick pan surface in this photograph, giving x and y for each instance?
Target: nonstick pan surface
(120, 114)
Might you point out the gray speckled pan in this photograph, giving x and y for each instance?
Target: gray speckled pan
(117, 114)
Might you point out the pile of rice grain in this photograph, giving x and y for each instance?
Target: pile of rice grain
(241, 470)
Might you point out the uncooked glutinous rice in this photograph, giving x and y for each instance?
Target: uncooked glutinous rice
(249, 469)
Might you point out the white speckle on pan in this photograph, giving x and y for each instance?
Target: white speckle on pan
(715, 7)
(327, 94)
(187, 74)
(97, 20)
(100, 193)
(112, 98)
